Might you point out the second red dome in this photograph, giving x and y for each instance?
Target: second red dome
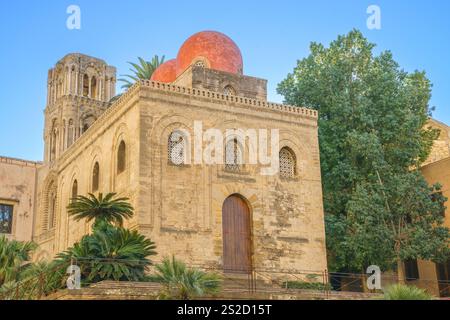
(165, 72)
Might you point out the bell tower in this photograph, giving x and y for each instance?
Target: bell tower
(79, 89)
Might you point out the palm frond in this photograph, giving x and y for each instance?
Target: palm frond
(142, 70)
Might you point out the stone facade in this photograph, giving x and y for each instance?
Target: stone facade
(430, 274)
(178, 206)
(441, 146)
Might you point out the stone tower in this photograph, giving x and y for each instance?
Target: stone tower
(79, 90)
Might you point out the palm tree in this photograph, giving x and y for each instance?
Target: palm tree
(99, 209)
(13, 258)
(183, 283)
(141, 71)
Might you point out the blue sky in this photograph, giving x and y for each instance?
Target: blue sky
(272, 35)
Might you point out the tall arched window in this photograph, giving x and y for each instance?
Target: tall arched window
(93, 88)
(85, 85)
(177, 148)
(70, 133)
(287, 163)
(87, 122)
(74, 190)
(52, 210)
(95, 177)
(121, 157)
(53, 140)
(233, 156)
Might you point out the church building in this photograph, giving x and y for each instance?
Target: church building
(143, 145)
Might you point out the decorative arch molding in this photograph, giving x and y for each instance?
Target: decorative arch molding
(231, 84)
(121, 134)
(87, 120)
(167, 123)
(250, 196)
(74, 176)
(158, 137)
(163, 129)
(95, 158)
(49, 202)
(300, 151)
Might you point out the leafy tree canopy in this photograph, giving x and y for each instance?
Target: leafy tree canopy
(373, 139)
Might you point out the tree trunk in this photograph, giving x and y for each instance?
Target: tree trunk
(400, 271)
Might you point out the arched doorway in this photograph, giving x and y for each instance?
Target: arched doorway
(236, 224)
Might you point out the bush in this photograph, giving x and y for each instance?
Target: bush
(306, 285)
(404, 292)
(183, 283)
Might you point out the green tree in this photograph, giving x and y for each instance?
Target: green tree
(14, 256)
(109, 209)
(373, 139)
(183, 283)
(142, 70)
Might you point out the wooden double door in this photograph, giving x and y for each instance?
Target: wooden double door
(237, 235)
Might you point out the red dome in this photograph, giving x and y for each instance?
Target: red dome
(165, 72)
(219, 51)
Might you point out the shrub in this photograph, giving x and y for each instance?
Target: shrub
(183, 283)
(404, 292)
(110, 253)
(306, 285)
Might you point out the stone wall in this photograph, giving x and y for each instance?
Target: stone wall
(441, 146)
(17, 188)
(180, 208)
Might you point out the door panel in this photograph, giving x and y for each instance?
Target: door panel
(236, 235)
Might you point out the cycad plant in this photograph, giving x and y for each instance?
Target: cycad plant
(142, 70)
(110, 253)
(14, 256)
(108, 209)
(42, 278)
(183, 283)
(404, 292)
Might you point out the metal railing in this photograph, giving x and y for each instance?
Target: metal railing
(321, 284)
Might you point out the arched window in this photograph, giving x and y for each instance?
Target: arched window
(85, 85)
(287, 163)
(74, 190)
(121, 157)
(70, 133)
(93, 88)
(87, 122)
(229, 91)
(233, 156)
(52, 210)
(177, 148)
(53, 141)
(95, 177)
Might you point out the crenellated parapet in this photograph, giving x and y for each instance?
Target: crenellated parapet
(160, 87)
